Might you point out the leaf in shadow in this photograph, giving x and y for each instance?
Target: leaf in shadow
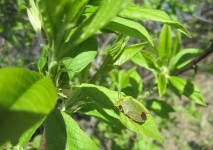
(159, 107)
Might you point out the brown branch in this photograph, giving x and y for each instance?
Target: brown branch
(194, 62)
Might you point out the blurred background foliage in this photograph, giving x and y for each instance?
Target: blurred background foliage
(183, 124)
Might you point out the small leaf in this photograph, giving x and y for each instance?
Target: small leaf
(77, 64)
(187, 88)
(130, 28)
(79, 58)
(135, 12)
(150, 60)
(33, 15)
(129, 52)
(162, 83)
(62, 132)
(43, 58)
(140, 60)
(183, 58)
(26, 97)
(177, 44)
(165, 44)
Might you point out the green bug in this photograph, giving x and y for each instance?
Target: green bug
(133, 110)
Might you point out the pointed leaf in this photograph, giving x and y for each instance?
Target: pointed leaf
(26, 97)
(165, 44)
(130, 28)
(150, 59)
(162, 83)
(183, 58)
(129, 52)
(135, 12)
(43, 58)
(188, 89)
(62, 132)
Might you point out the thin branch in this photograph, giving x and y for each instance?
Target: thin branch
(204, 19)
(194, 62)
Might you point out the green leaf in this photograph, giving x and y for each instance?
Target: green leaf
(188, 89)
(161, 108)
(33, 15)
(59, 17)
(135, 12)
(43, 58)
(62, 132)
(129, 52)
(25, 97)
(113, 55)
(106, 12)
(130, 28)
(108, 101)
(77, 64)
(140, 60)
(183, 58)
(79, 58)
(150, 59)
(177, 44)
(165, 44)
(162, 83)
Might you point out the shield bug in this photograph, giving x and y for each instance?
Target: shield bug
(133, 110)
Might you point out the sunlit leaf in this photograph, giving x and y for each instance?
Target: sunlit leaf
(183, 58)
(162, 83)
(26, 97)
(130, 28)
(129, 52)
(109, 103)
(165, 45)
(135, 12)
(187, 88)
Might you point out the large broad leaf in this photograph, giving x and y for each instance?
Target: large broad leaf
(187, 88)
(135, 12)
(165, 44)
(108, 103)
(62, 132)
(106, 12)
(26, 97)
(183, 58)
(130, 28)
(129, 52)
